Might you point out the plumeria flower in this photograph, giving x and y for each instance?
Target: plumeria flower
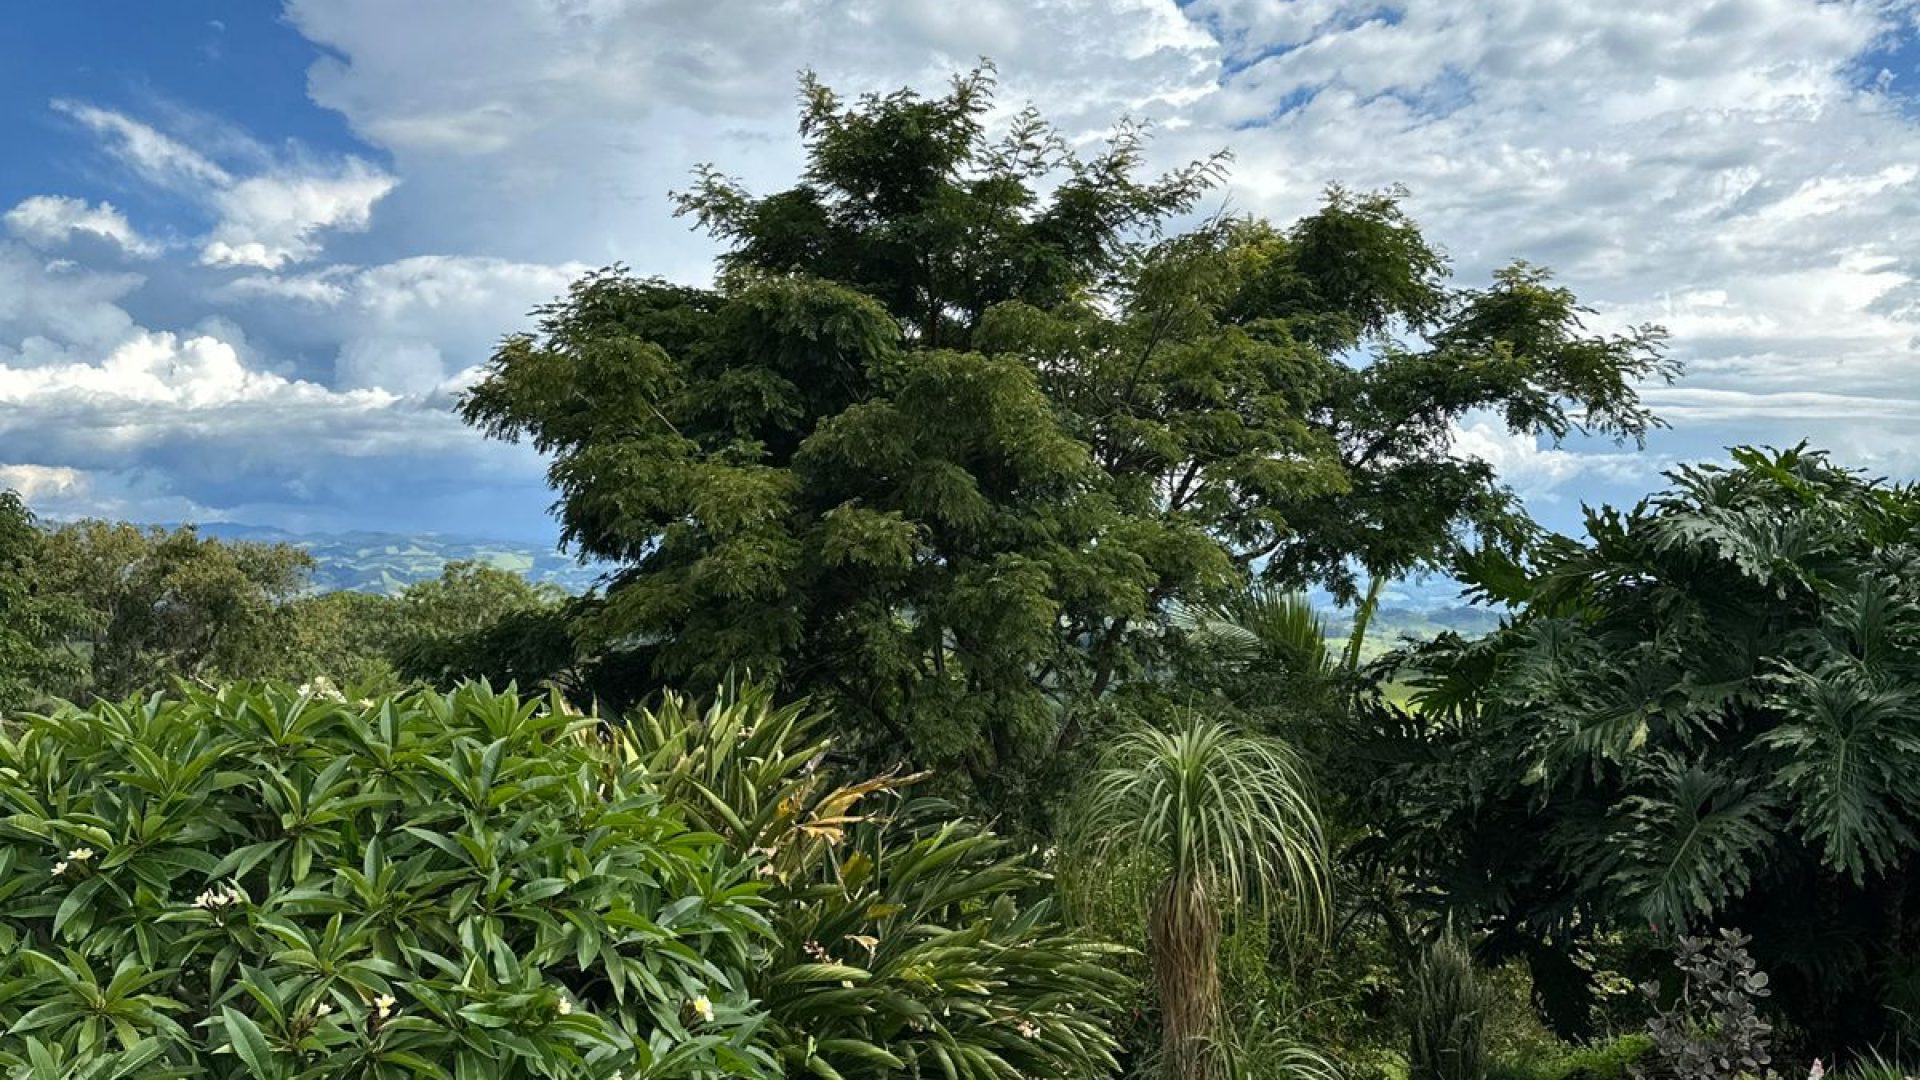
(219, 899)
(81, 854)
(703, 1007)
(563, 1007)
(325, 1008)
(59, 868)
(385, 1004)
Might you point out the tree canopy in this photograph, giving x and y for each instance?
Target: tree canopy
(964, 413)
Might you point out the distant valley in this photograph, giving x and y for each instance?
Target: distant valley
(387, 562)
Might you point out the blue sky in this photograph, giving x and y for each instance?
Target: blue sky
(250, 252)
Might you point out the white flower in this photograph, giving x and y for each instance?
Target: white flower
(1817, 1071)
(59, 868)
(385, 1004)
(325, 1008)
(564, 1007)
(703, 1007)
(1027, 1029)
(219, 898)
(80, 854)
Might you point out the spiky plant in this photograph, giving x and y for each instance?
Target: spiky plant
(1446, 1015)
(908, 939)
(1226, 825)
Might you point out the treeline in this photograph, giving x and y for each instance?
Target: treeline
(95, 610)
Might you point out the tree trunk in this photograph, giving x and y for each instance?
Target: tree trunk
(1183, 943)
(1363, 615)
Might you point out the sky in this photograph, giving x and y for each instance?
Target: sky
(251, 253)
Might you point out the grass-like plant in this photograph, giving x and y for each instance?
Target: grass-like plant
(1447, 1004)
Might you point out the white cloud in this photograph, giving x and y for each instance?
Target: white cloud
(156, 156)
(1537, 472)
(1646, 150)
(549, 133)
(266, 220)
(49, 221)
(98, 410)
(269, 221)
(398, 325)
(40, 484)
(48, 306)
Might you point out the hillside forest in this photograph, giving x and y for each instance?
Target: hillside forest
(985, 678)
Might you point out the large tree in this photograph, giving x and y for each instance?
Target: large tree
(962, 416)
(34, 659)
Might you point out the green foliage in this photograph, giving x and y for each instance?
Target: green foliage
(479, 622)
(1447, 1007)
(1620, 1058)
(261, 883)
(961, 423)
(1702, 713)
(33, 624)
(344, 637)
(908, 941)
(155, 604)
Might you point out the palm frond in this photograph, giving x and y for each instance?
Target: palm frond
(1207, 803)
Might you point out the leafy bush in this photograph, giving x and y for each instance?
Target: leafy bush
(1446, 1021)
(904, 942)
(263, 883)
(1713, 1030)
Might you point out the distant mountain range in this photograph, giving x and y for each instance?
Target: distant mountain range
(387, 562)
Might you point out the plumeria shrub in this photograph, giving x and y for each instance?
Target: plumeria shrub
(273, 883)
(909, 942)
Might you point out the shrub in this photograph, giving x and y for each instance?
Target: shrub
(1611, 1059)
(908, 941)
(1447, 1003)
(1712, 1031)
(259, 882)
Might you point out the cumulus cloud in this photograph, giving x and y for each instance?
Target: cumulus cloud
(50, 221)
(1538, 472)
(403, 325)
(42, 484)
(98, 409)
(50, 306)
(269, 221)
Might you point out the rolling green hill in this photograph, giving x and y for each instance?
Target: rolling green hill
(387, 562)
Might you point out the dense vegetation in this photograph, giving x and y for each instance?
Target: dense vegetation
(953, 707)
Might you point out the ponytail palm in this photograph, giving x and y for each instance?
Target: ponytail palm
(1215, 822)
